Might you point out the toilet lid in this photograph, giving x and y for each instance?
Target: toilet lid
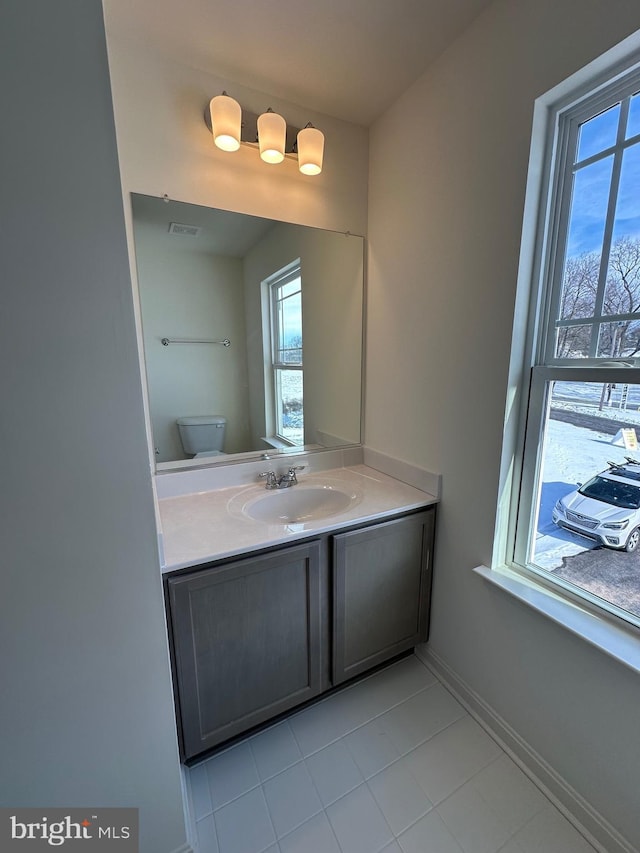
(196, 420)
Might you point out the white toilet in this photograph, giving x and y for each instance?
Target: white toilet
(202, 435)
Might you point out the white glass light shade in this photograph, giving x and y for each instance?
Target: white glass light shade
(310, 150)
(226, 120)
(272, 131)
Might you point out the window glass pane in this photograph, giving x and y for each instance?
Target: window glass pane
(587, 534)
(589, 208)
(579, 286)
(619, 340)
(633, 124)
(622, 294)
(598, 133)
(290, 288)
(289, 417)
(627, 220)
(573, 341)
(289, 323)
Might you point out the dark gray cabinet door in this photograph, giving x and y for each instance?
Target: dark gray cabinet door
(381, 592)
(246, 639)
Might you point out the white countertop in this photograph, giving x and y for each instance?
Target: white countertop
(198, 528)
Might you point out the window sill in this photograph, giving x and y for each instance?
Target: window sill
(277, 443)
(617, 642)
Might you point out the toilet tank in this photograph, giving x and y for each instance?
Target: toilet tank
(201, 433)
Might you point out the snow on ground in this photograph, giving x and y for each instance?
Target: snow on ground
(572, 455)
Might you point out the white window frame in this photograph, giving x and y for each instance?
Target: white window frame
(544, 240)
(274, 284)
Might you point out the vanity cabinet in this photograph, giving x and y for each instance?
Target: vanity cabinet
(246, 642)
(256, 636)
(381, 592)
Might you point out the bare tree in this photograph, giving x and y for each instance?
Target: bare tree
(578, 300)
(622, 296)
(619, 338)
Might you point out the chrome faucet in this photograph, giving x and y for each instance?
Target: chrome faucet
(284, 481)
(272, 483)
(290, 479)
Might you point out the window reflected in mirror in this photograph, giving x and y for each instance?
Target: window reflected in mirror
(287, 371)
(202, 279)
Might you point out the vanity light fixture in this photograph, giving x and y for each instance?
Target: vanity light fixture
(310, 150)
(232, 127)
(226, 121)
(272, 133)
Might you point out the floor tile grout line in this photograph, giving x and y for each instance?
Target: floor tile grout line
(431, 736)
(355, 760)
(282, 770)
(246, 791)
(236, 798)
(315, 788)
(190, 785)
(505, 751)
(298, 825)
(346, 690)
(413, 749)
(488, 804)
(325, 807)
(371, 720)
(215, 829)
(511, 835)
(273, 828)
(323, 810)
(400, 701)
(433, 806)
(295, 737)
(327, 699)
(413, 822)
(556, 810)
(303, 758)
(346, 794)
(462, 784)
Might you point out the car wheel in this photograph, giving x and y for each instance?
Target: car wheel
(633, 541)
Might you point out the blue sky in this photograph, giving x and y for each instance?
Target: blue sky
(591, 187)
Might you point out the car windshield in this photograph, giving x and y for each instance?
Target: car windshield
(612, 492)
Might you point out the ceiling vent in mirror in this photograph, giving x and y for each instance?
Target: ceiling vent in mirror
(184, 230)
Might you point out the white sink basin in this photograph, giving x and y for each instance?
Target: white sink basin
(308, 502)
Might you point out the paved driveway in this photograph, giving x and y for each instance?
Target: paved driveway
(612, 575)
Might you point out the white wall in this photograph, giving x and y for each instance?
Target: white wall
(447, 181)
(191, 294)
(86, 713)
(165, 147)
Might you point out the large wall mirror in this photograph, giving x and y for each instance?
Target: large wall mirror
(252, 332)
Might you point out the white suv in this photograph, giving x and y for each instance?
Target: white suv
(607, 508)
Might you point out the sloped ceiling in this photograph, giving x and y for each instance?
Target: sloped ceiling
(346, 58)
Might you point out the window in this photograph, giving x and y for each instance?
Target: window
(577, 522)
(285, 301)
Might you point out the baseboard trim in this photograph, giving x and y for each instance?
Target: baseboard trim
(589, 822)
(185, 848)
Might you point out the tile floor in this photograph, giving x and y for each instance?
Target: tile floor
(393, 764)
